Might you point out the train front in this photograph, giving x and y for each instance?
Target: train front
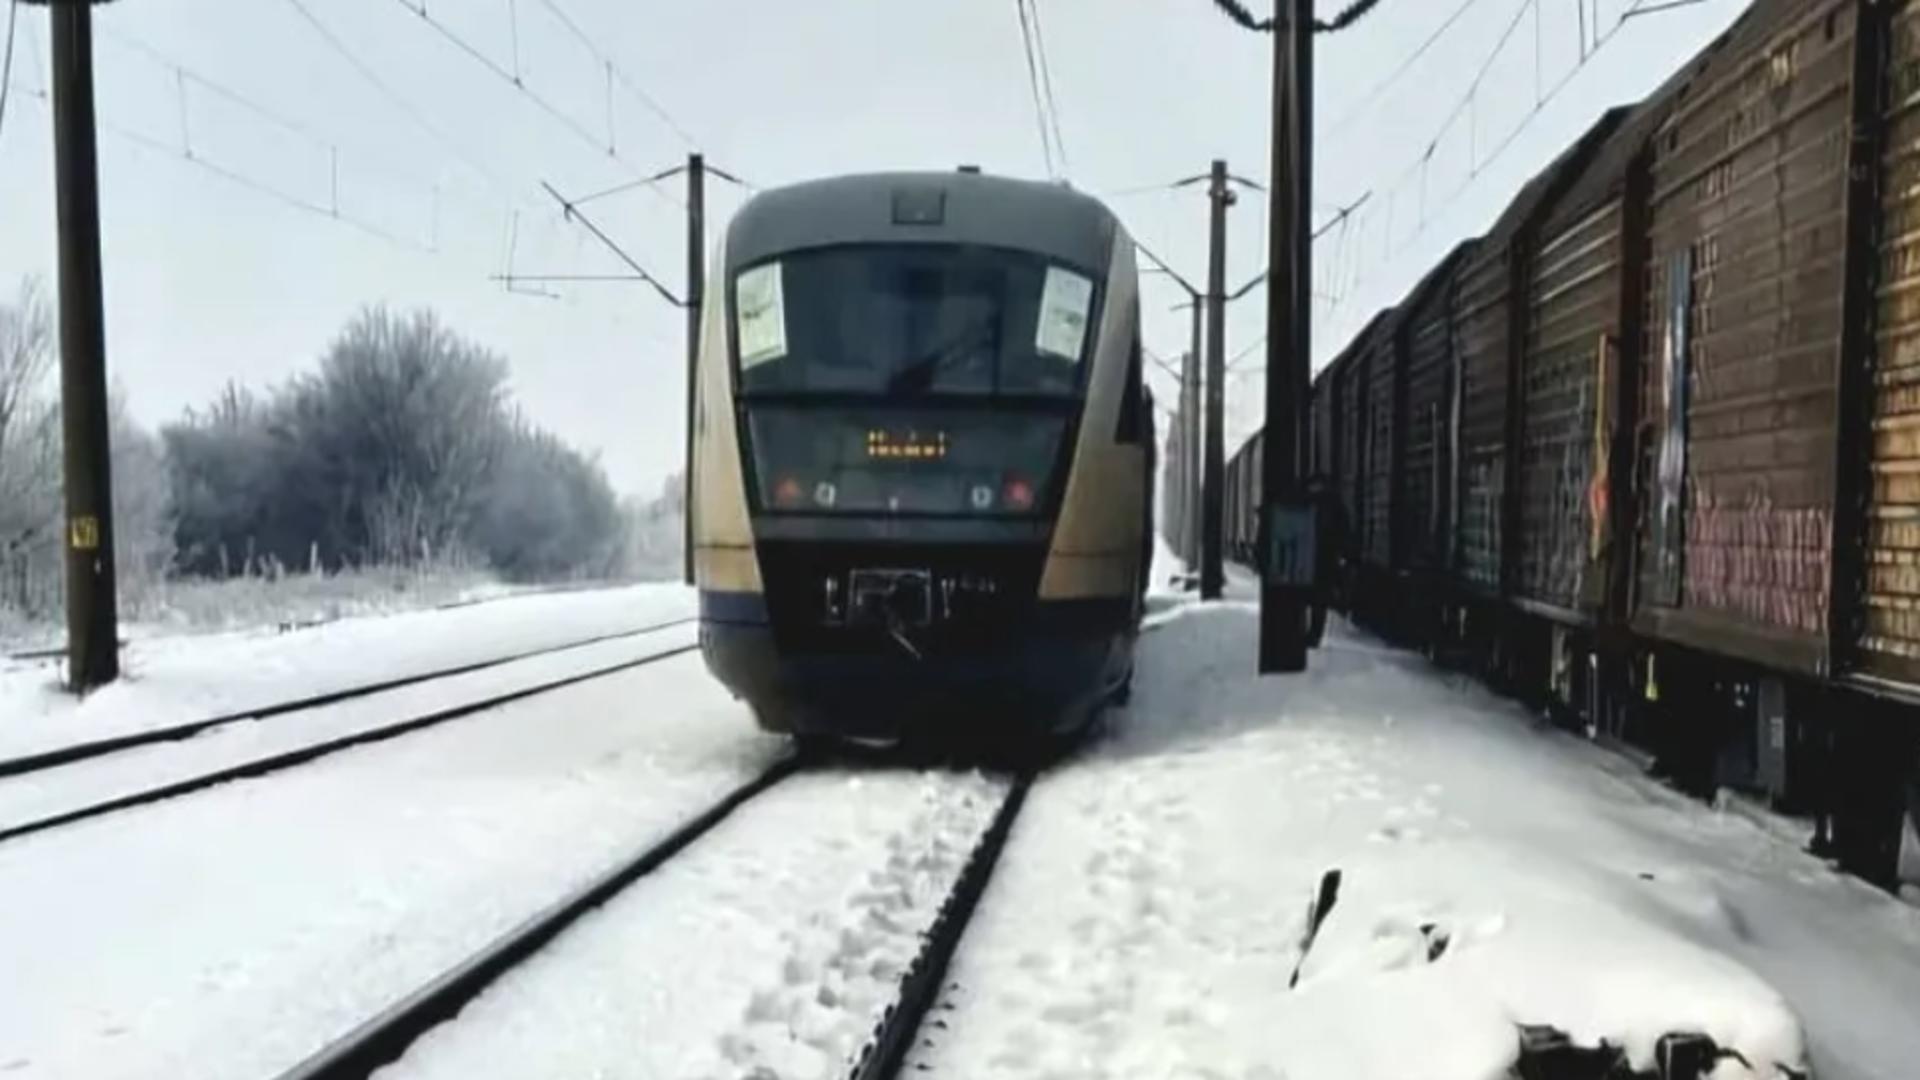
(921, 471)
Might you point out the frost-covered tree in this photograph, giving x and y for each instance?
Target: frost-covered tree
(29, 456)
(31, 467)
(401, 448)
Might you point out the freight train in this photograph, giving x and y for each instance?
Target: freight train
(1647, 453)
(924, 458)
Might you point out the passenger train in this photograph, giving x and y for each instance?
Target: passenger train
(924, 458)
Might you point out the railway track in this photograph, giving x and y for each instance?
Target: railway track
(385, 1037)
(884, 1054)
(306, 752)
(77, 752)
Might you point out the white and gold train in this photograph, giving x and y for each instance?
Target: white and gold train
(924, 458)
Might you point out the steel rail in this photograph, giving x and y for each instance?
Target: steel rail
(383, 1038)
(67, 755)
(885, 1052)
(288, 758)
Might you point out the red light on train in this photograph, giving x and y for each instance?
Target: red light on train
(1019, 493)
(787, 491)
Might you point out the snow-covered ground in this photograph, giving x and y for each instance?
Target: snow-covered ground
(171, 680)
(230, 933)
(768, 949)
(45, 793)
(1147, 917)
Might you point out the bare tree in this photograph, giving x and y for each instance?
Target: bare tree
(29, 455)
(26, 355)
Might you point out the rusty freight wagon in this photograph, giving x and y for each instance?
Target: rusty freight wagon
(1648, 452)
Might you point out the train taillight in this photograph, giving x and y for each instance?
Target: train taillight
(1019, 493)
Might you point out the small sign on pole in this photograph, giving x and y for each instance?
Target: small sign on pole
(1291, 552)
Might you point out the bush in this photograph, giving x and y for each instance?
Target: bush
(401, 449)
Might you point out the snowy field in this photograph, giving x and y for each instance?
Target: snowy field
(170, 680)
(1145, 921)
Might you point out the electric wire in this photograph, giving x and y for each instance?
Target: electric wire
(446, 33)
(1033, 84)
(240, 179)
(420, 119)
(1346, 121)
(619, 76)
(1046, 83)
(6, 60)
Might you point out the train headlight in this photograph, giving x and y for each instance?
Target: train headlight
(981, 496)
(825, 494)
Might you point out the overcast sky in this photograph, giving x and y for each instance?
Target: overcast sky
(210, 280)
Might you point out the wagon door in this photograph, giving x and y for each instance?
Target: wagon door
(1890, 640)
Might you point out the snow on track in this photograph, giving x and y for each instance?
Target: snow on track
(1147, 916)
(42, 794)
(231, 934)
(768, 948)
(172, 680)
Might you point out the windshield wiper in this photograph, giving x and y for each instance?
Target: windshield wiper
(918, 375)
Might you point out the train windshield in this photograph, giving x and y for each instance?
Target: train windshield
(912, 321)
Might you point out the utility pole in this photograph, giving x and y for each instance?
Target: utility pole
(93, 644)
(1212, 572)
(1191, 373)
(1191, 432)
(1288, 530)
(696, 293)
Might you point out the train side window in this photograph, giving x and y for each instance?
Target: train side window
(1132, 427)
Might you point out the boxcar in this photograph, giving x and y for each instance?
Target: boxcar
(1648, 452)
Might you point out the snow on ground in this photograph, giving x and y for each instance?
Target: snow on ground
(46, 792)
(768, 948)
(152, 607)
(1147, 917)
(230, 933)
(171, 680)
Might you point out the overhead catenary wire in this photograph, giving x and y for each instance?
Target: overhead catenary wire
(1033, 85)
(1479, 164)
(1596, 42)
(238, 178)
(1346, 121)
(1162, 364)
(446, 33)
(618, 75)
(6, 60)
(1046, 85)
(184, 75)
(420, 119)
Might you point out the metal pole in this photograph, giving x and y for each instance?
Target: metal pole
(696, 293)
(1285, 589)
(1212, 573)
(1194, 433)
(93, 657)
(1189, 525)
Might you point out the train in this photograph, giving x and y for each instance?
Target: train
(924, 459)
(1646, 454)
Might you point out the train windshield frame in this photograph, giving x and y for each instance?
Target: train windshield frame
(912, 322)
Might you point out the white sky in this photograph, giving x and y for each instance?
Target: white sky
(209, 281)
